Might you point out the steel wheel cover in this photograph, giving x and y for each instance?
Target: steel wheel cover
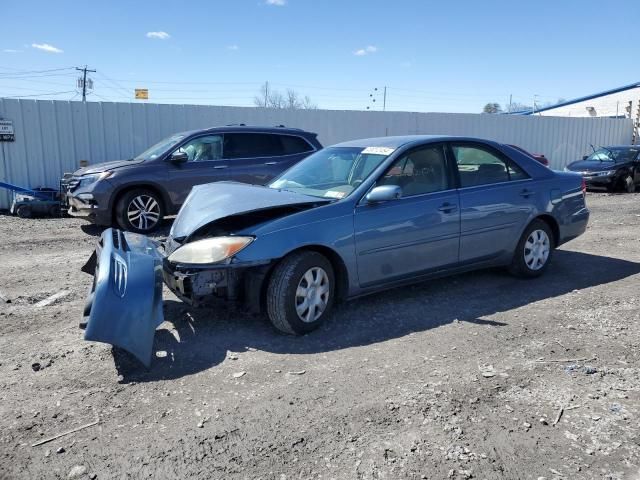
(312, 294)
(536, 249)
(143, 212)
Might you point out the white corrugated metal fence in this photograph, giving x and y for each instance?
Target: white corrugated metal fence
(52, 137)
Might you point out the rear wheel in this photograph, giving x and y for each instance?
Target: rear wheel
(300, 292)
(534, 250)
(139, 211)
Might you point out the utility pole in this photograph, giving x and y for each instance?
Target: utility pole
(384, 100)
(510, 101)
(84, 71)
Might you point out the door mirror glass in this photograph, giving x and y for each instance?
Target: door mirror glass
(179, 157)
(384, 193)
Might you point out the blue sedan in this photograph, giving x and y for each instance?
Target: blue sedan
(349, 220)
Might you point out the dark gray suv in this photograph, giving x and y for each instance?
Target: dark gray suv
(137, 193)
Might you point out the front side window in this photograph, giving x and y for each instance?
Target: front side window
(203, 149)
(333, 172)
(251, 145)
(482, 166)
(423, 170)
(160, 148)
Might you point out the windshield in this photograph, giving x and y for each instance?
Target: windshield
(159, 148)
(333, 172)
(616, 155)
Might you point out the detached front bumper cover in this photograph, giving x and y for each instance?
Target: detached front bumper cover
(124, 307)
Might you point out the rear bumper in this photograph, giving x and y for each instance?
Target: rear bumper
(124, 307)
(575, 227)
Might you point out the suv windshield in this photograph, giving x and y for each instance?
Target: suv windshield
(616, 155)
(333, 172)
(159, 148)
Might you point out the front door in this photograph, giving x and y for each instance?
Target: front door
(205, 165)
(416, 233)
(496, 200)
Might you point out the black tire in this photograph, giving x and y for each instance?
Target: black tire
(522, 264)
(282, 289)
(140, 200)
(55, 211)
(628, 185)
(24, 211)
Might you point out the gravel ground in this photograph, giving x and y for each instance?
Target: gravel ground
(475, 376)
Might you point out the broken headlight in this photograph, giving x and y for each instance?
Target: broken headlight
(209, 250)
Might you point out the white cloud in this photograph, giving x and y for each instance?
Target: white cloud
(277, 3)
(158, 35)
(365, 51)
(45, 47)
(233, 47)
(11, 50)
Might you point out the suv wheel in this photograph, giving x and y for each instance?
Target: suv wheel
(139, 211)
(534, 251)
(300, 293)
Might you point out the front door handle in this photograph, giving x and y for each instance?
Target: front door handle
(220, 167)
(526, 193)
(447, 207)
(271, 163)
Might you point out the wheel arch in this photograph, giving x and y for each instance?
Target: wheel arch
(553, 225)
(119, 193)
(341, 274)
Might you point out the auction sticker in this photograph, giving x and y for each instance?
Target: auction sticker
(378, 151)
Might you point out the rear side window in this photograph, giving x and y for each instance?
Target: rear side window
(251, 145)
(482, 166)
(292, 145)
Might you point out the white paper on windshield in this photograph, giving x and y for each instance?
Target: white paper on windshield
(335, 194)
(378, 150)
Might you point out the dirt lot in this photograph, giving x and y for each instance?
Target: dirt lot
(476, 376)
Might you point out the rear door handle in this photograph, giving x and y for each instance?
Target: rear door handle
(447, 207)
(220, 167)
(526, 192)
(271, 163)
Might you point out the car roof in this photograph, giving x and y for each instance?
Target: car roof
(635, 147)
(250, 129)
(405, 140)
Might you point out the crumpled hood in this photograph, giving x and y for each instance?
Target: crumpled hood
(592, 166)
(103, 167)
(213, 201)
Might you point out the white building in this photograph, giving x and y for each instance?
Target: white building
(623, 102)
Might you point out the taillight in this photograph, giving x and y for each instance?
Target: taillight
(584, 187)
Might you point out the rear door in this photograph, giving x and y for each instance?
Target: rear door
(496, 200)
(416, 233)
(205, 165)
(253, 157)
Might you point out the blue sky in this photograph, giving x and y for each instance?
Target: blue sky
(451, 56)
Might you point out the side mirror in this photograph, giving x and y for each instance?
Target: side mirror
(179, 157)
(585, 157)
(384, 193)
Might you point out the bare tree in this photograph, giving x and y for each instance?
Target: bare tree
(269, 98)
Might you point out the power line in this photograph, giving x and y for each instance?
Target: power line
(41, 94)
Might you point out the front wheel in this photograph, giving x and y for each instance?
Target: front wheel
(300, 293)
(139, 211)
(628, 184)
(534, 250)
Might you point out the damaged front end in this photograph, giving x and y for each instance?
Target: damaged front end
(124, 306)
